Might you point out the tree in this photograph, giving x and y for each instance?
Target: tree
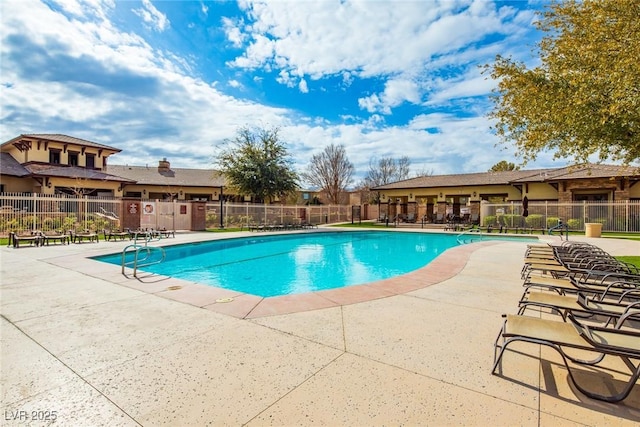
(383, 171)
(584, 97)
(503, 165)
(256, 163)
(387, 170)
(331, 171)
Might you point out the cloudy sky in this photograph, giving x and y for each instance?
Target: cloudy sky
(175, 79)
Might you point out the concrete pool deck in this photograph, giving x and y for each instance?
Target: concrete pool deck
(94, 347)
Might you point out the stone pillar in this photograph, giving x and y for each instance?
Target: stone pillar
(442, 209)
(430, 217)
(474, 209)
(198, 216)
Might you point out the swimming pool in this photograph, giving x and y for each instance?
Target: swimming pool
(272, 265)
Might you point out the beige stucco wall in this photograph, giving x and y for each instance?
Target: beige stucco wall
(539, 191)
(13, 184)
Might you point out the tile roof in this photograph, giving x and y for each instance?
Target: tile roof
(63, 171)
(457, 180)
(514, 177)
(152, 175)
(61, 138)
(10, 166)
(583, 172)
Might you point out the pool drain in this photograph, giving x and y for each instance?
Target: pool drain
(224, 300)
(174, 288)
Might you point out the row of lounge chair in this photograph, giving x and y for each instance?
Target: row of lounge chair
(42, 238)
(585, 299)
(281, 227)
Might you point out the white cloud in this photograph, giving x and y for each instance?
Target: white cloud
(396, 92)
(302, 86)
(404, 44)
(152, 17)
(159, 109)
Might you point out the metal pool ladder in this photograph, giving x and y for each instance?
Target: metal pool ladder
(470, 236)
(147, 251)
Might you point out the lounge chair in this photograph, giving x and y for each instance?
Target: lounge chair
(609, 287)
(115, 235)
(583, 305)
(411, 217)
(163, 232)
(34, 239)
(52, 236)
(81, 236)
(106, 214)
(560, 336)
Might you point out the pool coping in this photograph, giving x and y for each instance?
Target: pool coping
(247, 306)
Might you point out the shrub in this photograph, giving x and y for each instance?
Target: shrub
(552, 221)
(535, 221)
(575, 224)
(489, 220)
(69, 223)
(513, 220)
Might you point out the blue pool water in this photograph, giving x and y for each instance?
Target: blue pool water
(271, 265)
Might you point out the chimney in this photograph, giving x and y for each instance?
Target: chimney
(164, 165)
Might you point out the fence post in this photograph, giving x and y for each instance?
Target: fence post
(34, 211)
(626, 216)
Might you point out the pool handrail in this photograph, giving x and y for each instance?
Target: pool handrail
(140, 262)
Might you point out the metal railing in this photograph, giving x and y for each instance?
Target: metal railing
(620, 216)
(32, 211)
(45, 212)
(23, 212)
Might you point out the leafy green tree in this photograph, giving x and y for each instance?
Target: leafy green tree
(503, 165)
(584, 97)
(331, 171)
(256, 163)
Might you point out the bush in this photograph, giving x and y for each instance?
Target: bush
(69, 222)
(513, 220)
(575, 224)
(552, 221)
(489, 220)
(535, 221)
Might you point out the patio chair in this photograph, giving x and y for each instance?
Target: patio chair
(54, 236)
(115, 235)
(582, 305)
(617, 288)
(574, 335)
(81, 236)
(34, 239)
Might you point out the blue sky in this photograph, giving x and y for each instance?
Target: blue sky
(175, 79)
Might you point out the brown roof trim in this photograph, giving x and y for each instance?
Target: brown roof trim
(516, 177)
(56, 137)
(73, 172)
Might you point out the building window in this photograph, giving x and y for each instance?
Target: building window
(91, 161)
(54, 157)
(73, 158)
